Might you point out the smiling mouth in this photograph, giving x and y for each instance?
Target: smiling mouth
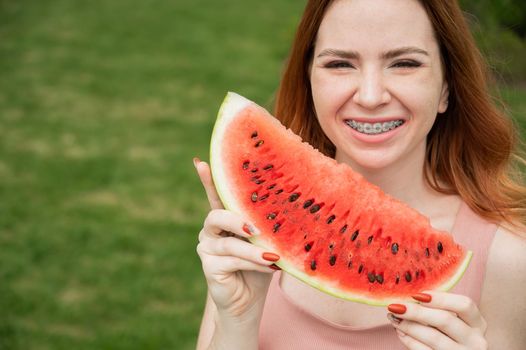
(374, 128)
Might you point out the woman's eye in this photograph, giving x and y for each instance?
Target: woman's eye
(338, 64)
(406, 64)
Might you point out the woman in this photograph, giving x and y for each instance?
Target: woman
(355, 63)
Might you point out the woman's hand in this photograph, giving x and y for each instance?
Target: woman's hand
(440, 321)
(237, 272)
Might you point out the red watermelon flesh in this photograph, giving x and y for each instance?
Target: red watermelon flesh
(332, 228)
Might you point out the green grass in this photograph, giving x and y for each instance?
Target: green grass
(103, 104)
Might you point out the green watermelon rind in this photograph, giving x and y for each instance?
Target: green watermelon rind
(324, 287)
(234, 103)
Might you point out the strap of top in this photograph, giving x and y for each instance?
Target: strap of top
(475, 234)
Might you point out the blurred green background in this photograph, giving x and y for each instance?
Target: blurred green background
(103, 105)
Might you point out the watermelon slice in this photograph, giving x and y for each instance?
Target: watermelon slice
(332, 229)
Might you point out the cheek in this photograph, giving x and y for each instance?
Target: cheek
(328, 94)
(419, 98)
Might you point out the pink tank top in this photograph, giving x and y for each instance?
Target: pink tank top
(285, 325)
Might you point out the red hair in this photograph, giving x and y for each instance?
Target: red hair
(471, 149)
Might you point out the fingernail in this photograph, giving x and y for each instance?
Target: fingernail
(271, 257)
(275, 267)
(394, 319)
(397, 308)
(423, 297)
(196, 161)
(250, 230)
(400, 333)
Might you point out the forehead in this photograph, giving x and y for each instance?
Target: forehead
(379, 24)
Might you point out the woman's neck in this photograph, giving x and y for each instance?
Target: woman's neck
(403, 180)
(406, 182)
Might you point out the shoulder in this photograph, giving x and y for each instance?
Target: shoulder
(503, 302)
(509, 250)
(506, 263)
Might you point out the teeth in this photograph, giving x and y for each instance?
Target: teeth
(376, 128)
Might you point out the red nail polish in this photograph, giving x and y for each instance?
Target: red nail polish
(423, 297)
(397, 308)
(248, 229)
(271, 257)
(275, 267)
(196, 161)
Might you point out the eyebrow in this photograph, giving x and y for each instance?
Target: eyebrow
(386, 55)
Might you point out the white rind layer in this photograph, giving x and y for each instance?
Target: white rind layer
(327, 288)
(232, 105)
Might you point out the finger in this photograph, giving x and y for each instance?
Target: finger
(216, 267)
(443, 320)
(410, 342)
(426, 335)
(205, 175)
(237, 248)
(463, 306)
(220, 220)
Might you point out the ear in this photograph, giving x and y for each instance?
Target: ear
(444, 98)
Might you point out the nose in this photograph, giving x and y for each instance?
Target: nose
(371, 91)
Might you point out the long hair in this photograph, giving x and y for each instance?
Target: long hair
(471, 149)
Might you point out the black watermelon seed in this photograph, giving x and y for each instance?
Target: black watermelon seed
(371, 277)
(397, 278)
(408, 277)
(271, 216)
(268, 167)
(293, 197)
(245, 165)
(417, 274)
(263, 197)
(278, 191)
(332, 260)
(360, 269)
(440, 248)
(379, 279)
(276, 227)
(331, 219)
(271, 186)
(313, 265)
(394, 248)
(427, 252)
(254, 170)
(355, 235)
(370, 239)
(349, 264)
(308, 246)
(254, 197)
(314, 208)
(254, 135)
(259, 181)
(343, 229)
(259, 143)
(307, 203)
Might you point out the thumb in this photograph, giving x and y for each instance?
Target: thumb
(203, 170)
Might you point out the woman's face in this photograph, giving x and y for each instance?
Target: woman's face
(377, 81)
